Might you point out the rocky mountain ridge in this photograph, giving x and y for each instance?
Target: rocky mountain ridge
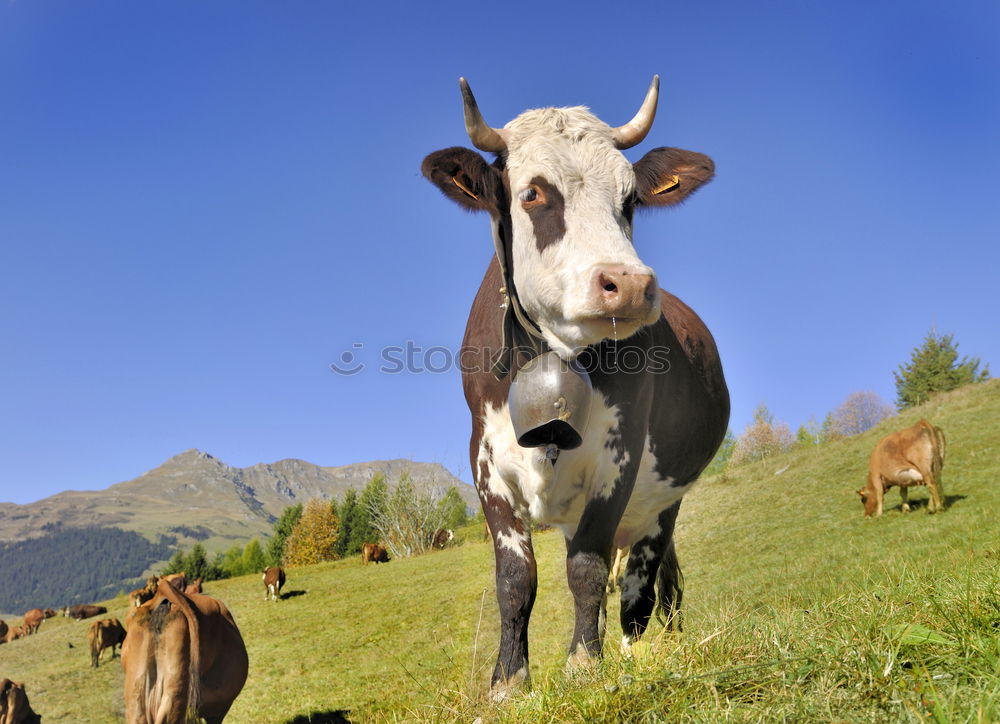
(196, 496)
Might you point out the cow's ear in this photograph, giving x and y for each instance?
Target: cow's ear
(667, 176)
(464, 177)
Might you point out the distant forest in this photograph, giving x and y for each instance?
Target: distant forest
(75, 565)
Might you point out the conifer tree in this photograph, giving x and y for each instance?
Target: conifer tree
(934, 367)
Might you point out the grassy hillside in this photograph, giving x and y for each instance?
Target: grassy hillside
(796, 608)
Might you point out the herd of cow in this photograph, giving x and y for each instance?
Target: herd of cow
(621, 432)
(183, 654)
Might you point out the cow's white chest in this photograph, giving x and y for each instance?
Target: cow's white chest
(557, 494)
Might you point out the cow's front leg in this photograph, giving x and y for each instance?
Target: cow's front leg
(904, 496)
(516, 581)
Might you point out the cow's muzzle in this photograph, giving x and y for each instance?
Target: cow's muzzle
(624, 292)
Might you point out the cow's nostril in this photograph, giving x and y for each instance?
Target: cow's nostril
(610, 287)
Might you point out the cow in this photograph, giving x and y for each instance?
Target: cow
(14, 633)
(913, 456)
(107, 633)
(140, 595)
(183, 657)
(274, 579)
(177, 580)
(566, 279)
(4, 628)
(14, 706)
(81, 611)
(441, 537)
(373, 552)
(49, 612)
(32, 620)
(194, 586)
(614, 578)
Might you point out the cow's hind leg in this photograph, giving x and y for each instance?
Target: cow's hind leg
(653, 560)
(904, 496)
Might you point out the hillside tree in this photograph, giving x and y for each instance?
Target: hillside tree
(719, 463)
(283, 527)
(762, 438)
(861, 411)
(453, 511)
(934, 367)
(314, 538)
(407, 519)
(253, 558)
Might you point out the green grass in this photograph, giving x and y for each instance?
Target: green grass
(796, 609)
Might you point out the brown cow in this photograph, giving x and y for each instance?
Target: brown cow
(3, 631)
(32, 620)
(441, 537)
(274, 579)
(177, 580)
(140, 595)
(374, 552)
(183, 657)
(104, 634)
(913, 456)
(14, 633)
(83, 610)
(14, 706)
(194, 586)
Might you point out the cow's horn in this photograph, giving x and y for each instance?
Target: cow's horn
(635, 130)
(482, 135)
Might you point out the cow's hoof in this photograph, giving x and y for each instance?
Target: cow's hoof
(905, 508)
(502, 690)
(580, 660)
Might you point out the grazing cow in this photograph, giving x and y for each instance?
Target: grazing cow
(374, 552)
(32, 620)
(441, 537)
(14, 706)
(81, 611)
(104, 634)
(274, 579)
(183, 657)
(567, 279)
(14, 633)
(194, 586)
(913, 456)
(614, 578)
(140, 595)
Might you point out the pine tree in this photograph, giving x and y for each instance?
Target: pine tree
(252, 559)
(934, 367)
(452, 509)
(282, 529)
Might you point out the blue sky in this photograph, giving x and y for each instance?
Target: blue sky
(203, 205)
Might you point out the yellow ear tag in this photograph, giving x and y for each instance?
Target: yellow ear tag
(463, 187)
(670, 185)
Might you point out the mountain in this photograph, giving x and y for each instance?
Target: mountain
(195, 496)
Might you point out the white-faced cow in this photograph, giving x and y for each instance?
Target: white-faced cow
(566, 278)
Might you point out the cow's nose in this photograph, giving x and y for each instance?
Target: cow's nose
(624, 291)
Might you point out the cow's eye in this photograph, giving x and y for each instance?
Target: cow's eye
(528, 195)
